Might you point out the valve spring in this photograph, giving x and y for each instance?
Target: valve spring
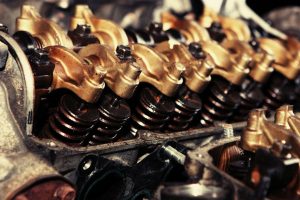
(278, 91)
(251, 97)
(152, 111)
(187, 105)
(222, 98)
(72, 121)
(114, 114)
(27, 41)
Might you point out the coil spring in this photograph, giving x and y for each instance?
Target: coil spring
(187, 105)
(72, 121)
(221, 100)
(27, 41)
(152, 111)
(113, 116)
(251, 97)
(235, 161)
(277, 91)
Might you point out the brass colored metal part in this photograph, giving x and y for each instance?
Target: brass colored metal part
(107, 32)
(285, 62)
(293, 45)
(262, 133)
(192, 31)
(73, 73)
(47, 32)
(208, 17)
(226, 66)
(235, 29)
(197, 72)
(237, 47)
(261, 65)
(156, 71)
(122, 77)
(285, 117)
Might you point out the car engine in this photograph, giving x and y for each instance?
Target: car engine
(149, 99)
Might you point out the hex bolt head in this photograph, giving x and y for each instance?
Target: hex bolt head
(216, 26)
(123, 52)
(40, 54)
(254, 44)
(156, 27)
(83, 29)
(216, 32)
(196, 50)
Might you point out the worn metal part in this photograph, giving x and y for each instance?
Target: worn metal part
(206, 180)
(279, 89)
(197, 71)
(233, 71)
(73, 73)
(64, 157)
(261, 61)
(114, 113)
(208, 17)
(235, 29)
(251, 94)
(286, 62)
(191, 30)
(72, 121)
(107, 32)
(45, 31)
(196, 77)
(122, 75)
(21, 169)
(166, 77)
(286, 118)
(263, 133)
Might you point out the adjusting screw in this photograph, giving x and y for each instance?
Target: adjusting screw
(196, 50)
(123, 52)
(83, 29)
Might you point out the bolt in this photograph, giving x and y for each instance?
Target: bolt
(196, 50)
(3, 28)
(216, 32)
(83, 29)
(39, 57)
(123, 52)
(174, 154)
(64, 192)
(216, 26)
(155, 27)
(254, 44)
(3, 55)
